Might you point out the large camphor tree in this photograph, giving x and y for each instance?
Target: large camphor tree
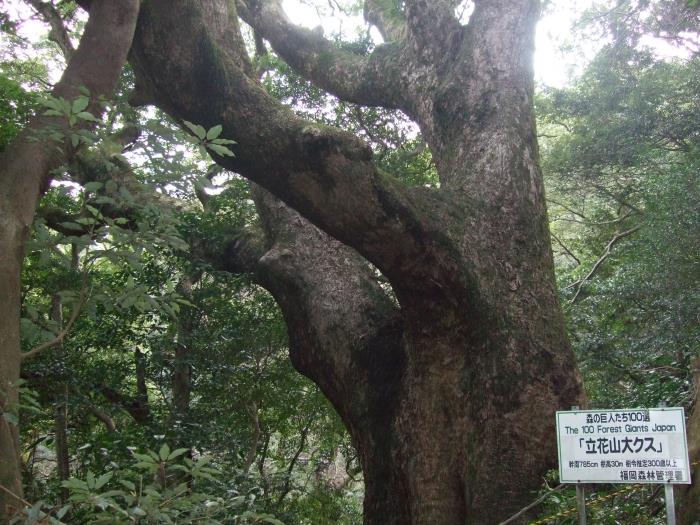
(447, 379)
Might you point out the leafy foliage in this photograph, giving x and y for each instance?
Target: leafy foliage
(624, 160)
(16, 106)
(158, 487)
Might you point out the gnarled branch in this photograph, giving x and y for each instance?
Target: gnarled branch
(372, 80)
(59, 33)
(324, 173)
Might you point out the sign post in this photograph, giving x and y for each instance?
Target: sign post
(581, 504)
(580, 495)
(623, 446)
(670, 504)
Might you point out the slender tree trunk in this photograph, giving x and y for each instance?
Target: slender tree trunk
(141, 408)
(25, 168)
(10, 465)
(60, 404)
(255, 432)
(182, 362)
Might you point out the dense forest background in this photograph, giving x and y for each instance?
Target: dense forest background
(156, 386)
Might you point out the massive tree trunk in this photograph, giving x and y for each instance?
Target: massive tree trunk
(448, 383)
(25, 172)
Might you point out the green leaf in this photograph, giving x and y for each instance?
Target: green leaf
(33, 512)
(101, 199)
(93, 186)
(63, 510)
(198, 130)
(71, 226)
(127, 484)
(237, 501)
(94, 211)
(113, 493)
(214, 132)
(52, 103)
(270, 519)
(142, 457)
(203, 475)
(221, 150)
(86, 115)
(79, 104)
(164, 452)
(103, 479)
(177, 452)
(126, 194)
(111, 186)
(145, 465)
(74, 483)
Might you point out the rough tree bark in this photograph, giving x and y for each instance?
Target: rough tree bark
(689, 495)
(449, 392)
(25, 172)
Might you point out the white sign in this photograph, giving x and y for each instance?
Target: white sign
(623, 446)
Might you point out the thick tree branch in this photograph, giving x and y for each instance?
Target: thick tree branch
(373, 80)
(326, 174)
(56, 218)
(59, 33)
(307, 271)
(344, 329)
(103, 417)
(431, 23)
(136, 408)
(241, 254)
(95, 65)
(387, 18)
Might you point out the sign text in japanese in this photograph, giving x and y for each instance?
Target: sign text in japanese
(623, 446)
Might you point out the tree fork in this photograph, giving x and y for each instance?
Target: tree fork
(453, 411)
